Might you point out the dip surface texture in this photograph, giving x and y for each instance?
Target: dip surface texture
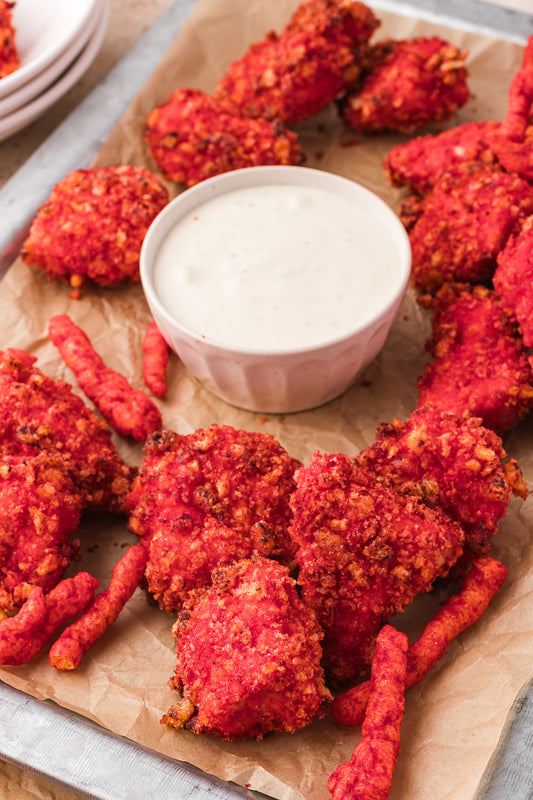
(276, 267)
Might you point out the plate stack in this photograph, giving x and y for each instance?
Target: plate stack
(57, 41)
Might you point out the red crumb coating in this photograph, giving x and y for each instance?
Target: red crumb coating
(40, 508)
(130, 412)
(364, 553)
(248, 656)
(23, 636)
(40, 413)
(458, 229)
(203, 500)
(92, 226)
(368, 774)
(294, 75)
(192, 137)
(67, 651)
(513, 279)
(419, 162)
(449, 461)
(9, 57)
(479, 366)
(482, 582)
(155, 360)
(410, 83)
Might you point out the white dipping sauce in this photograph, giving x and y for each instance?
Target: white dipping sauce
(276, 267)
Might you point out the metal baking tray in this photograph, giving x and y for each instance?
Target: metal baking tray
(68, 749)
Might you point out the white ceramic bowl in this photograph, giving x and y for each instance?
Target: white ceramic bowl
(287, 380)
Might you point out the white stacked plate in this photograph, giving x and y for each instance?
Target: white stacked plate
(57, 41)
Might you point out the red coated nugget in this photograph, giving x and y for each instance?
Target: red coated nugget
(410, 83)
(23, 636)
(449, 461)
(9, 57)
(483, 581)
(66, 653)
(40, 508)
(93, 224)
(458, 229)
(130, 412)
(513, 279)
(421, 161)
(294, 75)
(40, 413)
(193, 137)
(368, 774)
(364, 553)
(203, 500)
(479, 365)
(155, 360)
(248, 656)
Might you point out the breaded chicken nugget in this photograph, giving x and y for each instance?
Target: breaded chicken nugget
(480, 366)
(192, 137)
(9, 57)
(206, 499)
(364, 553)
(451, 462)
(458, 229)
(248, 656)
(40, 413)
(295, 74)
(421, 161)
(513, 279)
(410, 83)
(92, 226)
(40, 508)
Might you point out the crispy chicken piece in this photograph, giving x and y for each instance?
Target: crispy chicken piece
(40, 508)
(409, 84)
(248, 656)
(458, 229)
(192, 137)
(40, 413)
(295, 74)
(92, 226)
(129, 411)
(513, 279)
(155, 360)
(419, 162)
(203, 500)
(479, 366)
(9, 57)
(364, 553)
(451, 462)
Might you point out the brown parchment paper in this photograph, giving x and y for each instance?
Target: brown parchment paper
(454, 717)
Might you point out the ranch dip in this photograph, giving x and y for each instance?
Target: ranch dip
(276, 267)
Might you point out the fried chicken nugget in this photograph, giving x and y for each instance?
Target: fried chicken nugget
(449, 461)
(203, 500)
(155, 360)
(457, 231)
(130, 412)
(421, 161)
(513, 279)
(40, 508)
(92, 226)
(193, 136)
(248, 656)
(364, 553)
(9, 57)
(482, 582)
(479, 366)
(410, 83)
(294, 75)
(368, 774)
(40, 413)
(24, 635)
